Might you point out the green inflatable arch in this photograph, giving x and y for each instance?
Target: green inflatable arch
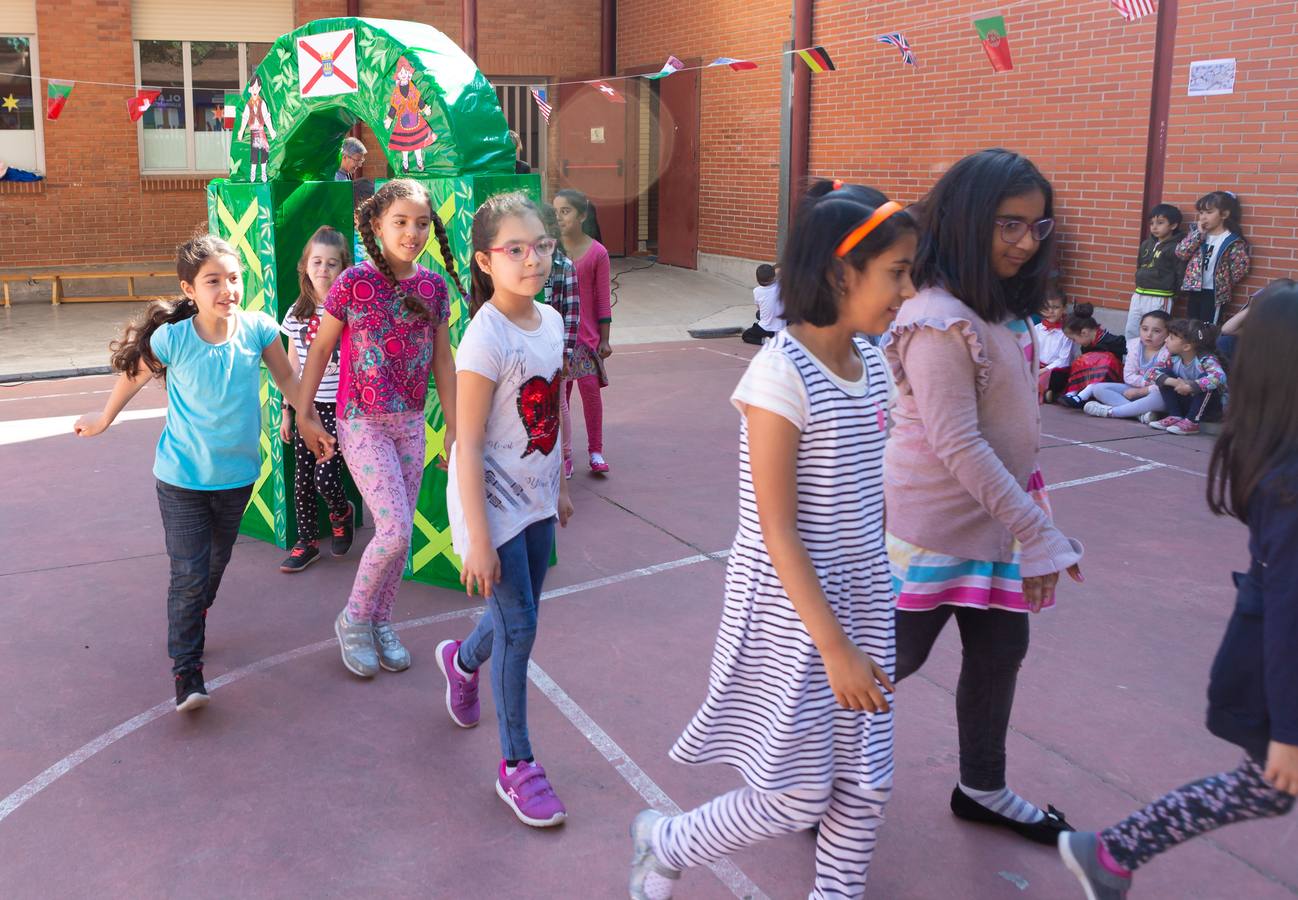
(440, 123)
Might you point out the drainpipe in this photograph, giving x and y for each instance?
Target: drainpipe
(608, 37)
(800, 116)
(469, 28)
(1160, 99)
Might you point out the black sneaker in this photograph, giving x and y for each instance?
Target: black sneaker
(1046, 831)
(191, 693)
(1072, 401)
(301, 556)
(344, 531)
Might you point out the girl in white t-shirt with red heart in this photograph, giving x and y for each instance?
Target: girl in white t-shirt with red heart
(505, 487)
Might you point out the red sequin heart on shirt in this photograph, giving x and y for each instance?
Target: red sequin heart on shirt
(538, 407)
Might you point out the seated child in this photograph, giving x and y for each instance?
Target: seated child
(1158, 270)
(770, 311)
(1098, 359)
(1193, 382)
(1055, 350)
(1137, 396)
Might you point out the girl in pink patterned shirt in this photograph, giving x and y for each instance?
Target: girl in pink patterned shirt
(391, 315)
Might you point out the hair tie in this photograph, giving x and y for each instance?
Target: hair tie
(1232, 194)
(859, 233)
(838, 184)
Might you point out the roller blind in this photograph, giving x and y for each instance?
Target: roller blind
(230, 20)
(18, 16)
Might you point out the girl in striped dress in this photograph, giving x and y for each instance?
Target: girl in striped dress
(799, 694)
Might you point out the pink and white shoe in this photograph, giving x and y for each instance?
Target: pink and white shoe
(1183, 426)
(597, 464)
(529, 795)
(1164, 424)
(461, 692)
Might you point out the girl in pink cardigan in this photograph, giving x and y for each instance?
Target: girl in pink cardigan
(970, 534)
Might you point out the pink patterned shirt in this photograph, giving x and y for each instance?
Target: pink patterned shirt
(387, 353)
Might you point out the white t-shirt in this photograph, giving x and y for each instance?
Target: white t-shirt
(1214, 241)
(521, 453)
(770, 311)
(772, 382)
(301, 334)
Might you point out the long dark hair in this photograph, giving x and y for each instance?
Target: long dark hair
(133, 349)
(958, 226)
(307, 300)
(373, 208)
(1224, 202)
(585, 206)
(811, 274)
(486, 223)
(1260, 431)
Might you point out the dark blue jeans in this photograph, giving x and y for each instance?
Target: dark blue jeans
(1204, 406)
(200, 528)
(505, 634)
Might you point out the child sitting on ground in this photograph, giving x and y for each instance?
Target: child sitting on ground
(1137, 396)
(1054, 348)
(1158, 270)
(1193, 383)
(770, 310)
(1098, 357)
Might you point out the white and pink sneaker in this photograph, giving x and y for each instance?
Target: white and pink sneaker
(529, 795)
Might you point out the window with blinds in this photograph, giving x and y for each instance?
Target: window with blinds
(515, 96)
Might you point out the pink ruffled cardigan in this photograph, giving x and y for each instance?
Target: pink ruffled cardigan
(965, 438)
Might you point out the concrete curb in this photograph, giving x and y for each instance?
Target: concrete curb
(709, 333)
(19, 377)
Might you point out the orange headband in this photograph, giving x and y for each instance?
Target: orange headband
(859, 232)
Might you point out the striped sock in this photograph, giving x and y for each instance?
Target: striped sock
(1006, 803)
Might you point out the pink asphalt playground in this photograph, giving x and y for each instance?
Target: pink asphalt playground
(301, 780)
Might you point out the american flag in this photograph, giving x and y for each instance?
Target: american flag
(1131, 10)
(538, 94)
(898, 40)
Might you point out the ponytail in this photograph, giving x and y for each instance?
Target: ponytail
(134, 349)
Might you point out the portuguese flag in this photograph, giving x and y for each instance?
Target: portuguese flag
(57, 97)
(997, 46)
(228, 110)
(817, 60)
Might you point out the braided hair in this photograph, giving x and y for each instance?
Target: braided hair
(376, 206)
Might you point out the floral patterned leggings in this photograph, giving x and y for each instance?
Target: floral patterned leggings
(385, 455)
(1192, 810)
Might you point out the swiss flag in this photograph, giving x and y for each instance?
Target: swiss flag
(140, 103)
(610, 93)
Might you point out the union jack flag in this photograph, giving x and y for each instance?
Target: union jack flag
(538, 94)
(1131, 10)
(898, 40)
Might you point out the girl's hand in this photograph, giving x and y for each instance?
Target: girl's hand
(1133, 393)
(605, 350)
(858, 682)
(481, 570)
(448, 441)
(319, 441)
(1282, 767)
(1184, 389)
(565, 509)
(285, 426)
(90, 425)
(1038, 590)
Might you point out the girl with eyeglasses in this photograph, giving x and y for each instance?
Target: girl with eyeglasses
(970, 533)
(505, 491)
(575, 212)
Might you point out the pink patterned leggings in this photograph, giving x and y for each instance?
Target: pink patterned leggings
(385, 455)
(592, 405)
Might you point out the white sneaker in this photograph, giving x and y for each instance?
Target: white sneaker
(1097, 409)
(1149, 418)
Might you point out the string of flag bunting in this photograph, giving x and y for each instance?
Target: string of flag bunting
(991, 30)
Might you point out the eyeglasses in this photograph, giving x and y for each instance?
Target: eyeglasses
(1012, 230)
(517, 251)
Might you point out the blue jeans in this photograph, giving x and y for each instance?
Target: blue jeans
(506, 633)
(200, 528)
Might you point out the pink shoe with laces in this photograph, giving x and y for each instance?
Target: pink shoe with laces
(529, 795)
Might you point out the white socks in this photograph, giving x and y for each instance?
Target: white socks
(1006, 803)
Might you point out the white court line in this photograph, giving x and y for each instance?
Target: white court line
(1091, 479)
(1142, 459)
(730, 875)
(16, 431)
(51, 396)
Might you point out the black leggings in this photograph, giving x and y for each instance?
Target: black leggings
(994, 643)
(311, 477)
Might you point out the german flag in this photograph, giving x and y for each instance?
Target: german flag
(817, 60)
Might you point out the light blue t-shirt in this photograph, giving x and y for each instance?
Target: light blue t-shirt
(213, 403)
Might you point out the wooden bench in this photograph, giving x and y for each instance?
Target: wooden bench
(57, 280)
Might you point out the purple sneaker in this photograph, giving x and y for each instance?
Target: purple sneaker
(530, 796)
(461, 692)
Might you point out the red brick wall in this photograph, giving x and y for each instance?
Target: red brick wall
(739, 138)
(96, 208)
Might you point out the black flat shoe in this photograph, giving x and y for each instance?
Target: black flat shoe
(1044, 832)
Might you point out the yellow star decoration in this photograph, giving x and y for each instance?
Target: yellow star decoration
(10, 103)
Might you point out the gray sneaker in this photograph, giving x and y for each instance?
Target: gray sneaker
(393, 655)
(1078, 850)
(357, 644)
(644, 862)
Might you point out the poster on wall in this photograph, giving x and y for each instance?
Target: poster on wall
(1209, 77)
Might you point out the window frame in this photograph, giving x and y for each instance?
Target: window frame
(187, 74)
(530, 113)
(40, 103)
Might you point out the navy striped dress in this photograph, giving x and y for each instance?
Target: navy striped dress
(769, 711)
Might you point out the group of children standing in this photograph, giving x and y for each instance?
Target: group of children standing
(828, 603)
